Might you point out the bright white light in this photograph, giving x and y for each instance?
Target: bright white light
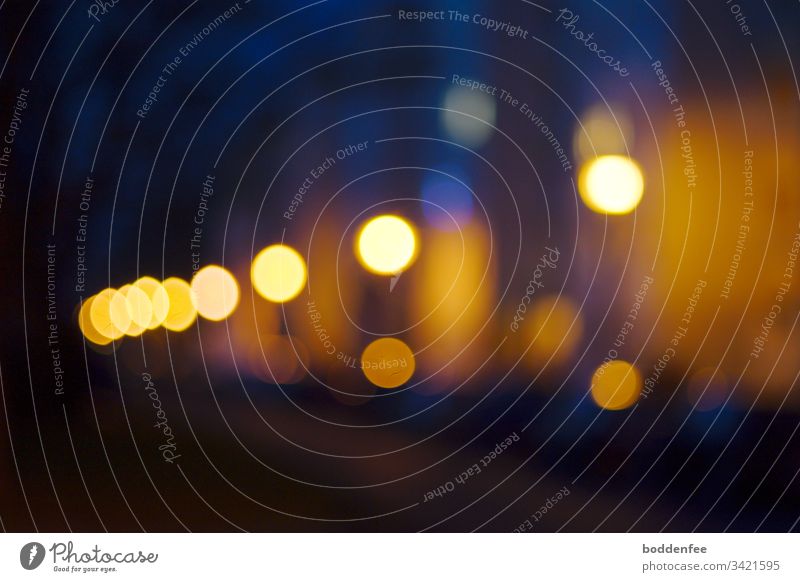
(611, 184)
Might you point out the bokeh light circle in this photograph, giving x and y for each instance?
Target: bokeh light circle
(611, 184)
(215, 292)
(278, 273)
(182, 312)
(159, 300)
(140, 309)
(100, 314)
(120, 313)
(387, 245)
(616, 385)
(388, 362)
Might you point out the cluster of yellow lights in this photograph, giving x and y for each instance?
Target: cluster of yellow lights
(148, 304)
(385, 245)
(130, 310)
(278, 274)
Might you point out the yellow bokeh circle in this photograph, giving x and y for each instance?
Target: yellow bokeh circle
(159, 300)
(616, 385)
(121, 314)
(138, 307)
(215, 292)
(100, 315)
(278, 273)
(182, 312)
(611, 184)
(87, 326)
(388, 363)
(386, 245)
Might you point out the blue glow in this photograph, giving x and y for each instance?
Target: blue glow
(441, 195)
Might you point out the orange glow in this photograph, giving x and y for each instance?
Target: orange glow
(555, 329)
(388, 363)
(453, 297)
(616, 385)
